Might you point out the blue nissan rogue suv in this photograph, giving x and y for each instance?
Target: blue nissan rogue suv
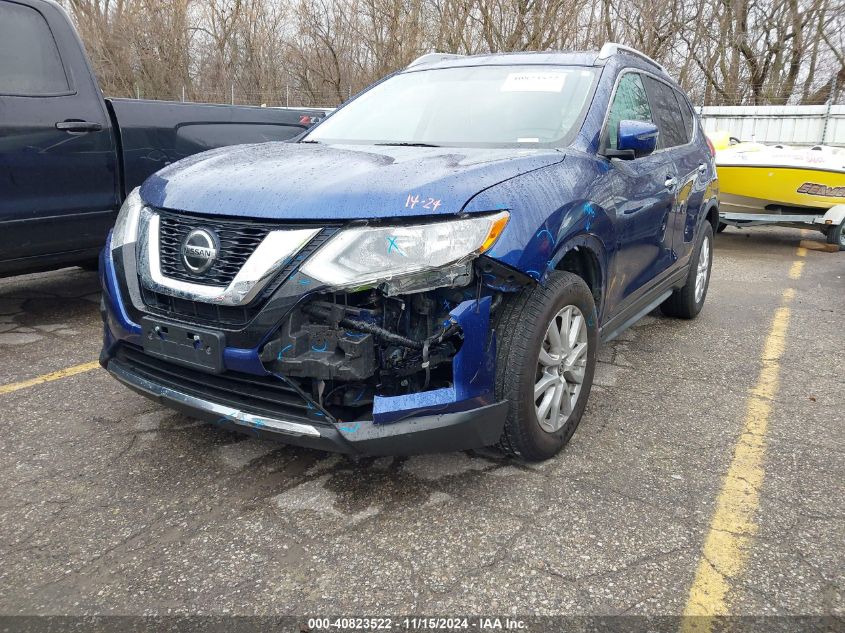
(432, 267)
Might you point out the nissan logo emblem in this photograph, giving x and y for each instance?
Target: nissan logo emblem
(199, 251)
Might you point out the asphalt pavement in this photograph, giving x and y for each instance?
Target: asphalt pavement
(114, 505)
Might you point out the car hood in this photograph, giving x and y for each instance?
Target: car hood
(300, 181)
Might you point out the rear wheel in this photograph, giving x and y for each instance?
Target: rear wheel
(836, 235)
(546, 338)
(686, 302)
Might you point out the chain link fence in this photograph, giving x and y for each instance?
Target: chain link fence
(285, 97)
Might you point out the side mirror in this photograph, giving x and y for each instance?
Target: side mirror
(635, 139)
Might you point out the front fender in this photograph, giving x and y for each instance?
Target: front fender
(549, 214)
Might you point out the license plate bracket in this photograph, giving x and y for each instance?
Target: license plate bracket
(185, 345)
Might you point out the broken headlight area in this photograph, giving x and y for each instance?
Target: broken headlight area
(345, 349)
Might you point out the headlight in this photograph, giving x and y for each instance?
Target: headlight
(366, 255)
(126, 227)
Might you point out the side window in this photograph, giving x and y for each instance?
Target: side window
(629, 102)
(29, 60)
(667, 112)
(687, 114)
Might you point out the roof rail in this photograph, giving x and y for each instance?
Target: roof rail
(612, 48)
(434, 57)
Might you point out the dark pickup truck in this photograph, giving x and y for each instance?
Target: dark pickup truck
(68, 157)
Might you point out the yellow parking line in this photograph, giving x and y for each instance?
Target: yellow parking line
(56, 375)
(733, 526)
(801, 252)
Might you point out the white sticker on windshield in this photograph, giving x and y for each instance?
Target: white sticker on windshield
(534, 81)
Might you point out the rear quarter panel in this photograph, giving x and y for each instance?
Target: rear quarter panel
(695, 192)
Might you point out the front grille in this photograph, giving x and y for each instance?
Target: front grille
(230, 316)
(196, 311)
(238, 240)
(260, 395)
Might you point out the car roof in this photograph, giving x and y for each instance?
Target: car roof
(438, 60)
(621, 56)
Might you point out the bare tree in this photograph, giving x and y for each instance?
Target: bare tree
(722, 51)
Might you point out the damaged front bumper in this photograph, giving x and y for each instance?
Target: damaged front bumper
(474, 428)
(257, 385)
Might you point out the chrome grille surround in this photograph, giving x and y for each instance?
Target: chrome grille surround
(272, 253)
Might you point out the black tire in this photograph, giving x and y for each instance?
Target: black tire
(722, 226)
(682, 303)
(836, 235)
(520, 329)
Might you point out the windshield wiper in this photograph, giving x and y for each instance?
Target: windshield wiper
(406, 144)
(310, 141)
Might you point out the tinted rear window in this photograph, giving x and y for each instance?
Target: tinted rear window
(687, 114)
(667, 113)
(29, 60)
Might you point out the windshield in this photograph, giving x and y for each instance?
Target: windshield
(487, 106)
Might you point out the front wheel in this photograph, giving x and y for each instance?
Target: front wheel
(546, 339)
(836, 235)
(686, 302)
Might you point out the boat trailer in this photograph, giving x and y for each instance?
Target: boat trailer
(831, 223)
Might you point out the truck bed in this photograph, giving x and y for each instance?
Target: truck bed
(153, 134)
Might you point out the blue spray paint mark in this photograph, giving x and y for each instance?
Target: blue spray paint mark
(282, 351)
(546, 233)
(590, 212)
(393, 246)
(355, 334)
(304, 282)
(360, 395)
(350, 428)
(313, 409)
(325, 346)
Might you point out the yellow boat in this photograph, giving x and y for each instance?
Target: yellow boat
(774, 184)
(755, 178)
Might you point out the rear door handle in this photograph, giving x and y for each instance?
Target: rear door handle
(702, 169)
(671, 182)
(79, 126)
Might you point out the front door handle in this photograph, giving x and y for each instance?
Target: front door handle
(671, 182)
(702, 169)
(79, 126)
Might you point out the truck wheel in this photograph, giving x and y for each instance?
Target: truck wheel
(546, 356)
(836, 235)
(686, 302)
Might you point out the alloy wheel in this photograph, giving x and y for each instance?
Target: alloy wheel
(560, 368)
(702, 270)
